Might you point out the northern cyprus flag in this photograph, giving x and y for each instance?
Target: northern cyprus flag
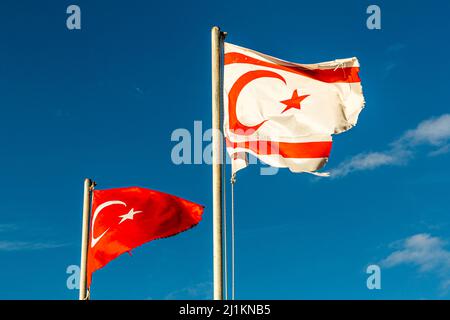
(285, 113)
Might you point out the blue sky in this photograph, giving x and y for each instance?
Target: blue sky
(102, 102)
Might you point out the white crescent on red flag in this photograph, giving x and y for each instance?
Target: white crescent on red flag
(285, 113)
(125, 218)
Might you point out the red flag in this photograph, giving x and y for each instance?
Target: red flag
(125, 218)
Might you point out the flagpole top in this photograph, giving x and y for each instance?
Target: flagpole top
(89, 183)
(216, 29)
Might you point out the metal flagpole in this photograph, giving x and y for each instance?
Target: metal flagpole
(216, 46)
(88, 184)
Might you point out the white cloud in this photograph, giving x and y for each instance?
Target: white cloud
(422, 250)
(203, 290)
(23, 245)
(434, 132)
(425, 252)
(368, 161)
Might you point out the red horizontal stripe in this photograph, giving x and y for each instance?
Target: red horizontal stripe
(286, 149)
(347, 74)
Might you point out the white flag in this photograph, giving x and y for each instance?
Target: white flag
(285, 113)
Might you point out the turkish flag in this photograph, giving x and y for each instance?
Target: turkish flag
(285, 113)
(125, 218)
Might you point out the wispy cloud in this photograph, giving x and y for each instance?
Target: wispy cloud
(389, 67)
(443, 150)
(370, 161)
(392, 59)
(427, 253)
(434, 133)
(139, 90)
(24, 244)
(7, 227)
(396, 47)
(27, 246)
(201, 290)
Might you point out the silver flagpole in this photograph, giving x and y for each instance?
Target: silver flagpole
(216, 46)
(85, 237)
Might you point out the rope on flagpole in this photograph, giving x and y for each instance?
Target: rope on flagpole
(225, 225)
(88, 295)
(233, 181)
(224, 184)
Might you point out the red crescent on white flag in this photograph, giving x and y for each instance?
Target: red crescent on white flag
(235, 125)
